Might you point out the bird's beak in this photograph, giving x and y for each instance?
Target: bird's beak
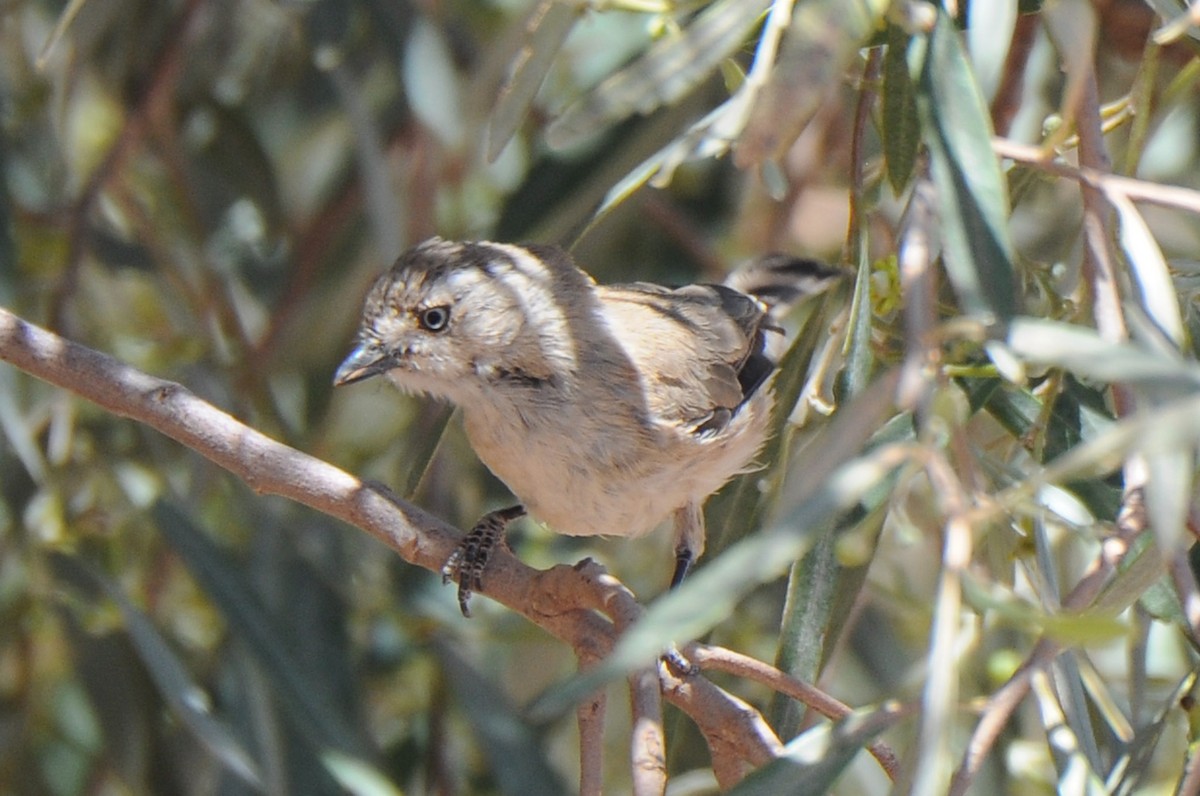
(363, 363)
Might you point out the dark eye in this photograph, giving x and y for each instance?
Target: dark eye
(434, 319)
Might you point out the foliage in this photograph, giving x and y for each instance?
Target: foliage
(986, 416)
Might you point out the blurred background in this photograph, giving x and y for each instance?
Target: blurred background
(206, 188)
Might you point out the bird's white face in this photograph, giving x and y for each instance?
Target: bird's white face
(450, 319)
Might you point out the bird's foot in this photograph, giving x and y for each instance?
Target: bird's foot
(466, 564)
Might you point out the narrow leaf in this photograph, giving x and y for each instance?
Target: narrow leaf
(1168, 497)
(670, 69)
(307, 701)
(546, 30)
(512, 749)
(812, 763)
(187, 699)
(972, 194)
(1082, 351)
(901, 128)
(823, 39)
(1149, 268)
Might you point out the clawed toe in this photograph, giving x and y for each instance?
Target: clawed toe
(465, 567)
(466, 564)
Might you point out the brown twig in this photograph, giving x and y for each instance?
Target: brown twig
(647, 746)
(590, 718)
(724, 660)
(1007, 101)
(1171, 196)
(561, 600)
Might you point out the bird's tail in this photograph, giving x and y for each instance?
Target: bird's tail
(781, 281)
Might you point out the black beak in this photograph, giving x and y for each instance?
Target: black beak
(363, 363)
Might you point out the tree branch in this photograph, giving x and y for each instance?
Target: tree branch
(566, 601)
(735, 663)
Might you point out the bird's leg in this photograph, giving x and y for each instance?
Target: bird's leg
(683, 565)
(468, 560)
(689, 540)
(689, 544)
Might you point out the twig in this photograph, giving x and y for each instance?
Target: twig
(647, 746)
(1171, 196)
(590, 718)
(1007, 101)
(725, 660)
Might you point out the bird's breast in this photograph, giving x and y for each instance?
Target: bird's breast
(588, 473)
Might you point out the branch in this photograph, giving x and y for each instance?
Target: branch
(1172, 196)
(566, 601)
(725, 660)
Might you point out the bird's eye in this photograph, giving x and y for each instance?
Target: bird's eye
(434, 319)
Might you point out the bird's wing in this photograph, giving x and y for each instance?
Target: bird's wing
(697, 348)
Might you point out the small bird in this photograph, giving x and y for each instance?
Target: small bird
(604, 408)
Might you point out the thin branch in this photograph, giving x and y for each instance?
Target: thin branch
(647, 745)
(724, 660)
(737, 734)
(1007, 101)
(1171, 196)
(590, 718)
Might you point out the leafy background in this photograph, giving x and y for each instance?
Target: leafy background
(205, 188)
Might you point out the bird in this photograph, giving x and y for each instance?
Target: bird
(605, 409)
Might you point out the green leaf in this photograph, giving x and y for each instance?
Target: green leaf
(1155, 286)
(901, 132)
(671, 68)
(546, 29)
(512, 749)
(972, 194)
(812, 763)
(1169, 483)
(1084, 352)
(820, 590)
(357, 778)
(823, 40)
(171, 678)
(309, 702)
(1141, 568)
